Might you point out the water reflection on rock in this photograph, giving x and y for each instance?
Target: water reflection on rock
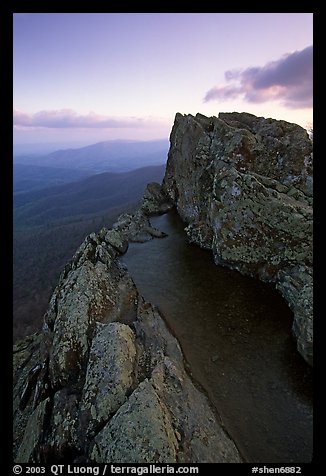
(235, 333)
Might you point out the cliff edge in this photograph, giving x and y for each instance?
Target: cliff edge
(105, 381)
(243, 185)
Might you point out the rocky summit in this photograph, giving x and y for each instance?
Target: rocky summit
(105, 380)
(243, 186)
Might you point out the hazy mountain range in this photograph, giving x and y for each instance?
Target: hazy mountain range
(94, 194)
(108, 156)
(61, 197)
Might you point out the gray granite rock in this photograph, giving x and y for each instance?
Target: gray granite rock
(107, 381)
(140, 432)
(155, 201)
(109, 375)
(64, 424)
(243, 186)
(28, 451)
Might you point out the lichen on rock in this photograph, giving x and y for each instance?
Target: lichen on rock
(141, 431)
(243, 186)
(95, 389)
(106, 381)
(109, 375)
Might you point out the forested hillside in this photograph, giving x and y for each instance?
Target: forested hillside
(49, 225)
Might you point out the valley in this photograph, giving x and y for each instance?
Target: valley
(51, 222)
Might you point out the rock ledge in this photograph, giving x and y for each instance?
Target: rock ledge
(243, 185)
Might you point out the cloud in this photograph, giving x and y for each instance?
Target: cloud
(288, 80)
(67, 118)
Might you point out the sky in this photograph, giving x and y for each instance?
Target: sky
(81, 78)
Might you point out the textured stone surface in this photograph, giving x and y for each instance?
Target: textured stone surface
(200, 439)
(116, 240)
(109, 375)
(297, 288)
(64, 424)
(106, 381)
(33, 435)
(86, 296)
(137, 227)
(155, 201)
(26, 357)
(140, 432)
(243, 185)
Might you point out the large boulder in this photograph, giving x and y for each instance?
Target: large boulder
(243, 186)
(141, 431)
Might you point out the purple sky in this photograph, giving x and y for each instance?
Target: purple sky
(82, 78)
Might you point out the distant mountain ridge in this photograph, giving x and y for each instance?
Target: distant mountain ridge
(34, 177)
(107, 156)
(90, 195)
(50, 223)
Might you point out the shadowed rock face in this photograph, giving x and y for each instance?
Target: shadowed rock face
(105, 380)
(243, 184)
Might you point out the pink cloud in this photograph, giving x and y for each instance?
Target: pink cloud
(67, 118)
(288, 80)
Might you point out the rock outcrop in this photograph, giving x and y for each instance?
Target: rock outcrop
(105, 380)
(243, 186)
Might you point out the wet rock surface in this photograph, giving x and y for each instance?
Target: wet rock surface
(105, 380)
(235, 334)
(243, 184)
